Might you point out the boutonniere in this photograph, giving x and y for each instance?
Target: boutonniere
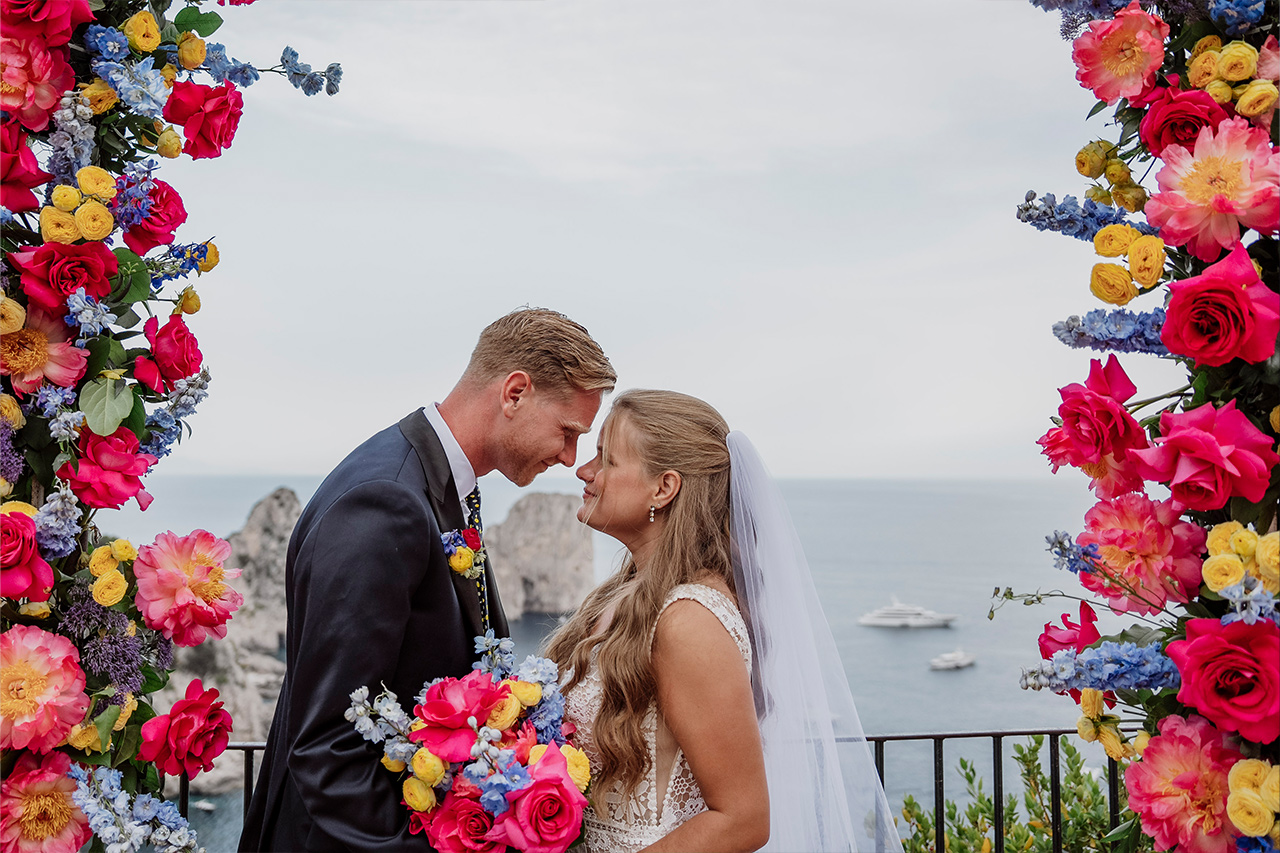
(465, 551)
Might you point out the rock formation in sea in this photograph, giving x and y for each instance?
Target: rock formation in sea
(542, 555)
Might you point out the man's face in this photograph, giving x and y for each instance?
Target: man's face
(543, 431)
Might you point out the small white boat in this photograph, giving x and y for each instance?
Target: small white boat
(203, 805)
(899, 615)
(958, 659)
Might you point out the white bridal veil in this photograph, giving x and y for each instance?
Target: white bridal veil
(824, 794)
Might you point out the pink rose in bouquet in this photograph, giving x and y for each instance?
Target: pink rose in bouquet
(209, 116)
(1176, 118)
(43, 695)
(109, 470)
(1225, 312)
(546, 816)
(177, 355)
(51, 21)
(1119, 58)
(1095, 422)
(20, 171)
(448, 705)
(1208, 455)
(23, 572)
(460, 824)
(39, 815)
(1231, 674)
(53, 271)
(41, 351)
(182, 590)
(188, 738)
(167, 214)
(32, 79)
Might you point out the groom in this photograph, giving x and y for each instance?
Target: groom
(371, 597)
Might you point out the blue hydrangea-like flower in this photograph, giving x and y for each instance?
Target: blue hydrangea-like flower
(1119, 331)
(498, 779)
(66, 426)
(6, 216)
(87, 313)
(548, 716)
(1109, 666)
(164, 430)
(106, 42)
(140, 86)
(1250, 602)
(243, 74)
(1236, 17)
(1072, 219)
(538, 670)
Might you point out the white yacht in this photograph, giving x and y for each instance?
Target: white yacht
(958, 659)
(899, 615)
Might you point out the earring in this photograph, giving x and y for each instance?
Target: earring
(652, 510)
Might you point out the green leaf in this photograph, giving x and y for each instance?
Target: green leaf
(151, 779)
(1199, 389)
(152, 680)
(115, 354)
(1244, 511)
(104, 721)
(204, 23)
(130, 740)
(106, 403)
(1097, 108)
(169, 33)
(99, 348)
(137, 419)
(132, 283)
(100, 758)
(128, 319)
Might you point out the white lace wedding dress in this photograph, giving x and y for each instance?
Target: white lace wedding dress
(668, 795)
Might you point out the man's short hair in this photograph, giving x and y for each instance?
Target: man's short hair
(557, 353)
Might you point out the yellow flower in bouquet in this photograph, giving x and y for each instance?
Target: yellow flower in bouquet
(1099, 195)
(1220, 91)
(1221, 571)
(505, 713)
(1247, 774)
(528, 692)
(122, 550)
(100, 95)
(189, 303)
(1091, 703)
(1112, 284)
(102, 560)
(1206, 43)
(1238, 61)
(10, 411)
(94, 220)
(1249, 814)
(1274, 417)
(110, 588)
(96, 181)
(1203, 70)
(58, 226)
(1270, 789)
(428, 767)
(1219, 539)
(462, 559)
(1244, 542)
(191, 51)
(1113, 744)
(36, 609)
(418, 795)
(1140, 742)
(169, 73)
(126, 711)
(1087, 729)
(12, 316)
(579, 766)
(1267, 553)
(65, 197)
(84, 736)
(393, 765)
(1146, 260)
(1258, 97)
(210, 257)
(1117, 172)
(1131, 197)
(142, 31)
(1115, 240)
(1091, 160)
(169, 143)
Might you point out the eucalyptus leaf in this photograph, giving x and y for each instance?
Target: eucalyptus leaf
(1097, 108)
(106, 403)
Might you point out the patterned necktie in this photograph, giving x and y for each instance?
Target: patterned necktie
(473, 510)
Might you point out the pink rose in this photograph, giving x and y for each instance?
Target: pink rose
(23, 572)
(546, 816)
(1095, 422)
(1119, 58)
(177, 355)
(167, 213)
(448, 705)
(109, 470)
(32, 80)
(53, 271)
(1175, 118)
(20, 171)
(460, 825)
(1070, 636)
(194, 732)
(1231, 674)
(209, 116)
(1208, 455)
(51, 21)
(1225, 312)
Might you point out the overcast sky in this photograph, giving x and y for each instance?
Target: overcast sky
(802, 212)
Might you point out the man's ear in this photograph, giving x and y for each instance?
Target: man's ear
(516, 387)
(668, 487)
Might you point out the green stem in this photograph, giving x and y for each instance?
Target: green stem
(1140, 404)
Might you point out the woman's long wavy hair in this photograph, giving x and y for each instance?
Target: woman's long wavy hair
(672, 432)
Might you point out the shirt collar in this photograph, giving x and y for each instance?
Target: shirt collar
(464, 476)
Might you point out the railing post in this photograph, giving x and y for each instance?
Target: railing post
(880, 761)
(997, 789)
(184, 793)
(939, 801)
(1055, 792)
(1113, 791)
(248, 780)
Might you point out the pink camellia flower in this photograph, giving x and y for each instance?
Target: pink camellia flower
(20, 171)
(51, 21)
(23, 572)
(39, 815)
(1208, 455)
(1225, 312)
(1229, 180)
(42, 350)
(1119, 58)
(1095, 422)
(188, 738)
(32, 79)
(209, 116)
(1176, 118)
(53, 271)
(166, 215)
(1231, 674)
(546, 816)
(176, 352)
(1151, 555)
(41, 689)
(1179, 788)
(460, 824)
(109, 470)
(181, 586)
(448, 705)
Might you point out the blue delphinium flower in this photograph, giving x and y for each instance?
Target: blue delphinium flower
(1109, 666)
(50, 398)
(303, 77)
(332, 77)
(537, 670)
(132, 202)
(1237, 17)
(126, 824)
(294, 70)
(188, 393)
(498, 779)
(1119, 330)
(140, 85)
(58, 523)
(106, 42)
(1250, 602)
(1070, 218)
(216, 61)
(6, 216)
(164, 430)
(497, 656)
(88, 314)
(66, 425)
(243, 74)
(1250, 844)
(1070, 556)
(548, 716)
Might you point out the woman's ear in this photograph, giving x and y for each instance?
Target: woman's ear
(668, 488)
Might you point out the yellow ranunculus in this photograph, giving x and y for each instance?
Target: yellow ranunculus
(1221, 571)
(58, 226)
(12, 315)
(102, 561)
(428, 767)
(1091, 703)
(1203, 70)
(122, 549)
(393, 765)
(1115, 240)
(84, 736)
(1249, 814)
(210, 257)
(462, 559)
(1206, 43)
(1238, 61)
(1117, 172)
(189, 302)
(142, 32)
(110, 588)
(579, 766)
(1244, 542)
(505, 713)
(1116, 749)
(1087, 729)
(170, 73)
(1146, 260)
(418, 795)
(1220, 91)
(126, 711)
(36, 609)
(1100, 195)
(10, 410)
(96, 181)
(65, 197)
(1247, 774)
(6, 488)
(1112, 284)
(1131, 197)
(1267, 553)
(528, 692)
(1270, 789)
(1219, 539)
(1258, 97)
(169, 143)
(191, 51)
(94, 220)
(100, 95)
(1092, 159)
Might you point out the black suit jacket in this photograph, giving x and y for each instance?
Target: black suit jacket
(371, 601)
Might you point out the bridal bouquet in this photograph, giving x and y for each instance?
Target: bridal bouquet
(99, 376)
(484, 758)
(1182, 537)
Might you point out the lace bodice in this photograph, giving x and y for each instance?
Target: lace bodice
(638, 820)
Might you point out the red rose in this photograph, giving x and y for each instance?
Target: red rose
(23, 572)
(1225, 312)
(209, 116)
(1095, 422)
(1176, 118)
(190, 736)
(20, 171)
(109, 470)
(50, 20)
(176, 355)
(167, 213)
(459, 825)
(472, 538)
(1231, 674)
(53, 271)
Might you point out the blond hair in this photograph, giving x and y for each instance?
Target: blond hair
(672, 432)
(557, 353)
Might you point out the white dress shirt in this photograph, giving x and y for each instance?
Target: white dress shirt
(464, 476)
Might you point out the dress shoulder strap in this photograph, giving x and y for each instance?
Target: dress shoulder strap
(720, 605)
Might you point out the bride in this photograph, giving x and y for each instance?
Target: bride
(702, 677)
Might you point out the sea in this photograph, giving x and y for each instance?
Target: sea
(942, 544)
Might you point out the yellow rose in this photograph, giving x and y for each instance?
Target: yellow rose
(6, 488)
(66, 197)
(1274, 417)
(191, 51)
(1219, 540)
(536, 753)
(1221, 571)
(1239, 89)
(528, 692)
(1270, 789)
(1146, 260)
(1249, 814)
(1131, 197)
(189, 301)
(169, 143)
(210, 258)
(84, 736)
(1206, 43)
(1087, 729)
(1238, 61)
(1098, 195)
(579, 767)
(418, 795)
(1258, 97)
(1266, 553)
(1220, 91)
(96, 182)
(1114, 240)
(1247, 774)
(1140, 742)
(58, 226)
(428, 767)
(1091, 160)
(11, 411)
(1117, 172)
(100, 95)
(1091, 703)
(393, 765)
(462, 559)
(110, 588)
(1203, 70)
(142, 32)
(132, 630)
(126, 711)
(504, 715)
(169, 73)
(122, 549)
(1244, 542)
(94, 220)
(36, 609)
(1112, 284)
(18, 506)
(12, 316)
(102, 561)
(1117, 750)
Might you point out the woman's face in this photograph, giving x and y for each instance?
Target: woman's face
(617, 491)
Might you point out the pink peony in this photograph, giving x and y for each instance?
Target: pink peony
(1230, 180)
(546, 816)
(1176, 118)
(42, 350)
(181, 589)
(1206, 456)
(41, 689)
(109, 470)
(51, 21)
(1231, 674)
(1095, 422)
(188, 738)
(32, 79)
(1119, 58)
(20, 171)
(445, 711)
(460, 824)
(1225, 312)
(23, 572)
(53, 271)
(1151, 555)
(39, 815)
(209, 116)
(167, 214)
(1179, 788)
